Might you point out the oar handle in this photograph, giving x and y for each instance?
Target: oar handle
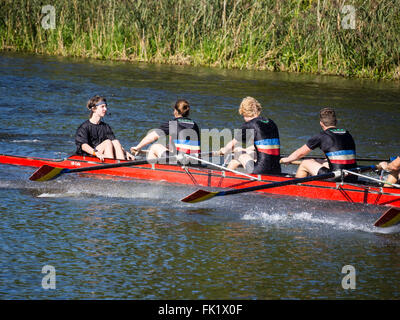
(295, 162)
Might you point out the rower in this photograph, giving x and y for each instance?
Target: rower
(94, 137)
(337, 144)
(183, 132)
(263, 155)
(393, 168)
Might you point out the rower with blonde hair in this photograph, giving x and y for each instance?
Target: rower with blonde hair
(262, 156)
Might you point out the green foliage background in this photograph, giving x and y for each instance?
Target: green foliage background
(295, 36)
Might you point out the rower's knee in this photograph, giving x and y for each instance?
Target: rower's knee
(249, 166)
(306, 163)
(119, 151)
(116, 144)
(233, 164)
(157, 151)
(107, 148)
(393, 177)
(300, 173)
(247, 161)
(308, 167)
(302, 170)
(107, 144)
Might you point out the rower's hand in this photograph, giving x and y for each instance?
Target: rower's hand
(383, 166)
(239, 150)
(284, 160)
(129, 156)
(220, 152)
(100, 156)
(135, 150)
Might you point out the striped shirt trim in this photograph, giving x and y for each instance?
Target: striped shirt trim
(268, 146)
(187, 146)
(342, 157)
(187, 142)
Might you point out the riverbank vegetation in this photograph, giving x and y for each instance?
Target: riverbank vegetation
(313, 36)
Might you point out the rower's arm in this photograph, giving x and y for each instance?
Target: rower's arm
(150, 138)
(229, 147)
(296, 155)
(392, 166)
(88, 149)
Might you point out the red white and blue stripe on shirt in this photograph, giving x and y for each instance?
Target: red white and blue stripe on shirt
(187, 146)
(268, 146)
(342, 157)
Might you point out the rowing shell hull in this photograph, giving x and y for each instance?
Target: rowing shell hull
(324, 190)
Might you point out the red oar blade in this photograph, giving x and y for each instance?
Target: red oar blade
(389, 218)
(46, 172)
(199, 195)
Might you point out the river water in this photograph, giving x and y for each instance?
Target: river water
(126, 239)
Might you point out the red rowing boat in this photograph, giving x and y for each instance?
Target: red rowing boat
(208, 177)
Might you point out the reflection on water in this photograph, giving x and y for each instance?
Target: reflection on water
(119, 238)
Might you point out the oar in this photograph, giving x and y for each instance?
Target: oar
(202, 195)
(357, 159)
(389, 218)
(394, 185)
(295, 162)
(47, 172)
(220, 167)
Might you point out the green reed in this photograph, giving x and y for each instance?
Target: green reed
(294, 36)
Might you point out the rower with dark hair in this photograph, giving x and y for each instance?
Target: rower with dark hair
(95, 137)
(337, 144)
(183, 132)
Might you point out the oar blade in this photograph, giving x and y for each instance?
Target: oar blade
(199, 196)
(389, 218)
(46, 172)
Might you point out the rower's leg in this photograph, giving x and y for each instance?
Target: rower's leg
(310, 167)
(156, 151)
(251, 151)
(392, 178)
(119, 152)
(233, 164)
(106, 148)
(245, 160)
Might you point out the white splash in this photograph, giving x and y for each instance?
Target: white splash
(26, 141)
(313, 218)
(52, 195)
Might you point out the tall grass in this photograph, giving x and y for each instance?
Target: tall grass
(276, 35)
